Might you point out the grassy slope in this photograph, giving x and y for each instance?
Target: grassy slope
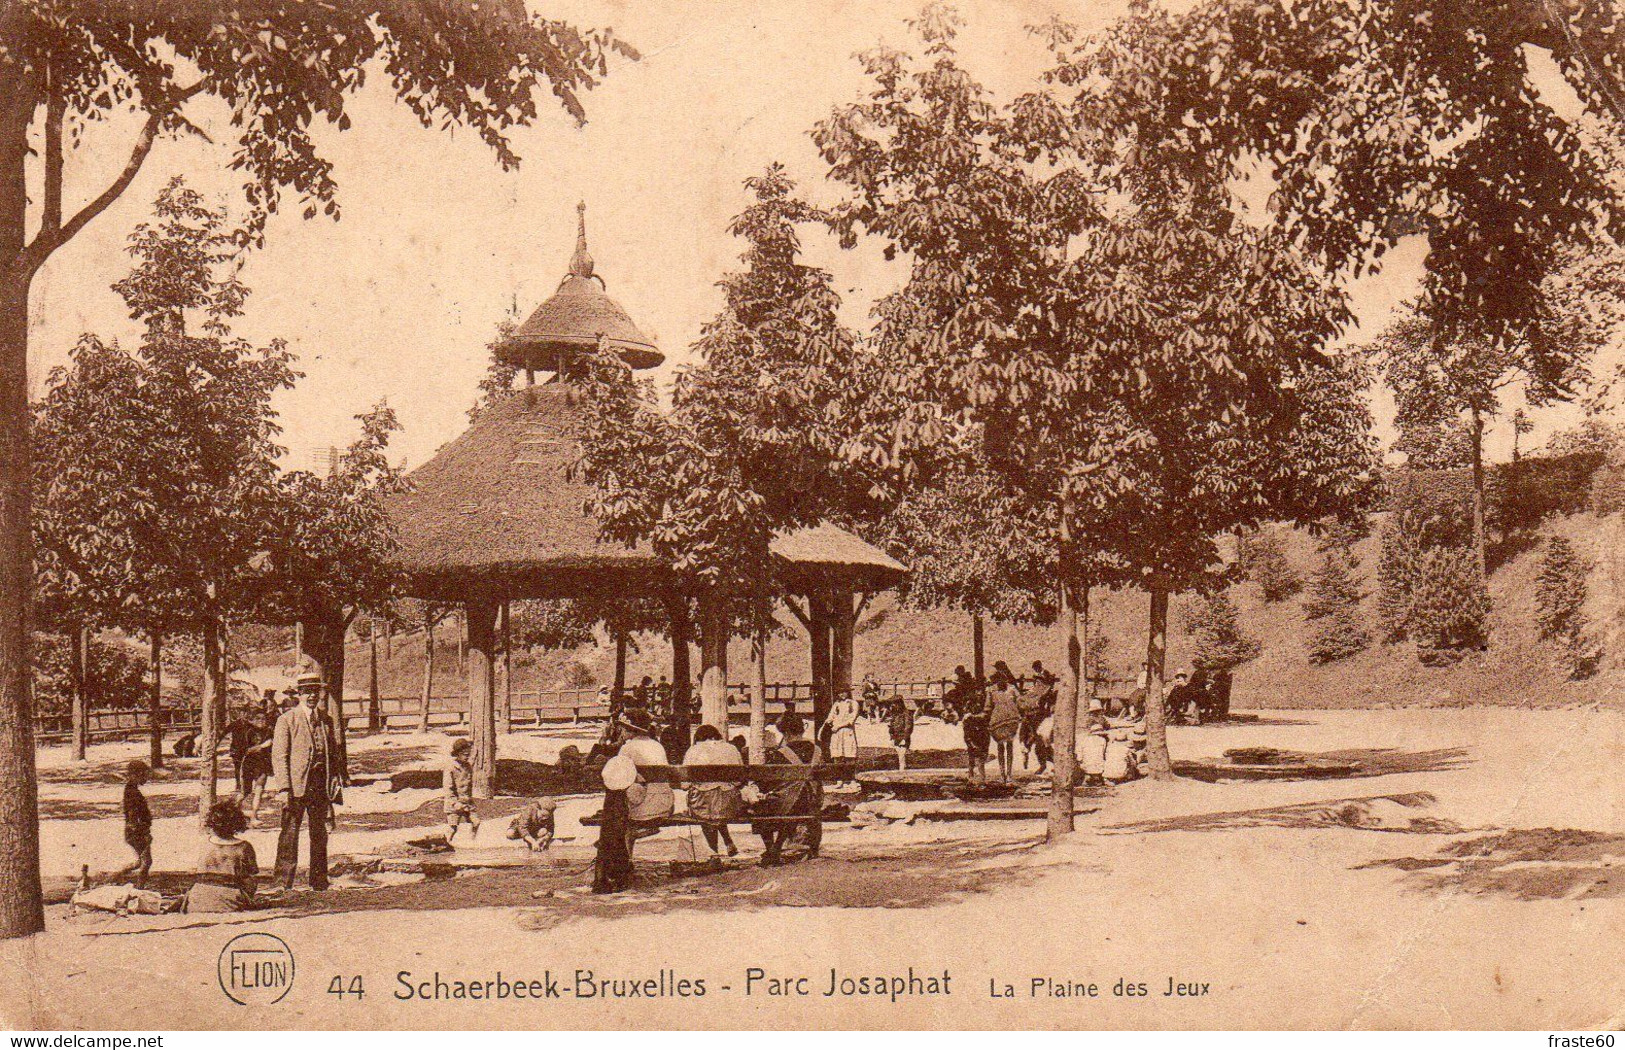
(906, 645)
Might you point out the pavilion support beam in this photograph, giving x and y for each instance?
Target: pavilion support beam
(843, 628)
(714, 662)
(821, 637)
(682, 697)
(481, 617)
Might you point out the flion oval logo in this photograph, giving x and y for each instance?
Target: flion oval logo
(256, 969)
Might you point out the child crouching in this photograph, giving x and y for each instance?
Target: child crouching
(534, 825)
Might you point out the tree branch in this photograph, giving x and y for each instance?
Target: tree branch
(806, 621)
(50, 239)
(55, 107)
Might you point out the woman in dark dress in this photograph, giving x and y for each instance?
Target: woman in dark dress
(612, 867)
(228, 870)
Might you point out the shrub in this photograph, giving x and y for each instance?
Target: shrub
(1450, 605)
(117, 675)
(1333, 606)
(1608, 488)
(1220, 643)
(1396, 572)
(1560, 594)
(1263, 560)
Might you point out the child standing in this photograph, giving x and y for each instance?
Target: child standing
(137, 821)
(901, 725)
(459, 784)
(534, 825)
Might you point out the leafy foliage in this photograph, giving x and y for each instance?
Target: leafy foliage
(330, 538)
(747, 449)
(1337, 623)
(282, 69)
(969, 547)
(1264, 561)
(1377, 120)
(116, 677)
(1216, 628)
(1560, 595)
(1450, 605)
(158, 467)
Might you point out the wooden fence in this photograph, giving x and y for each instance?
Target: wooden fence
(529, 708)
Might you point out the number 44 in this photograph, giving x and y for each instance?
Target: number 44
(342, 986)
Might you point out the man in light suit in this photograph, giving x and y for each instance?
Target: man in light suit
(305, 775)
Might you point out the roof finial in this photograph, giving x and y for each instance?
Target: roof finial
(581, 262)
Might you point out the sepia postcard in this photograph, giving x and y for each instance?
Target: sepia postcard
(812, 515)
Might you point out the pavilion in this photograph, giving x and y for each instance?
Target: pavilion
(496, 516)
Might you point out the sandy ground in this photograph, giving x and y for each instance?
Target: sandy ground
(1470, 877)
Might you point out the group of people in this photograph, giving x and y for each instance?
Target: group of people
(637, 802)
(1005, 713)
(297, 759)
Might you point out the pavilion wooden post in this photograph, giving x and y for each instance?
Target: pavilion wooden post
(821, 637)
(428, 671)
(681, 695)
(843, 629)
(480, 614)
(714, 662)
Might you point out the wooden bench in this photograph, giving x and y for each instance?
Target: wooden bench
(764, 775)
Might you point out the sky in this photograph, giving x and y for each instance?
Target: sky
(436, 244)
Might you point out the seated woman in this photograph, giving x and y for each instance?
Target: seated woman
(796, 798)
(1117, 762)
(1092, 745)
(227, 871)
(714, 805)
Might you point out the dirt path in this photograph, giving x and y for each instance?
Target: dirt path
(1472, 882)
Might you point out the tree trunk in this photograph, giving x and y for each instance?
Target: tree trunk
(507, 669)
(618, 690)
(389, 640)
(1156, 658)
(758, 696)
(323, 639)
(81, 692)
(155, 704)
(682, 696)
(480, 617)
(714, 663)
(1064, 738)
(372, 679)
(21, 905)
(1480, 544)
(428, 674)
(978, 647)
(209, 711)
(822, 638)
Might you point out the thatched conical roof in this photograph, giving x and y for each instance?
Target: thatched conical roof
(496, 509)
(574, 318)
